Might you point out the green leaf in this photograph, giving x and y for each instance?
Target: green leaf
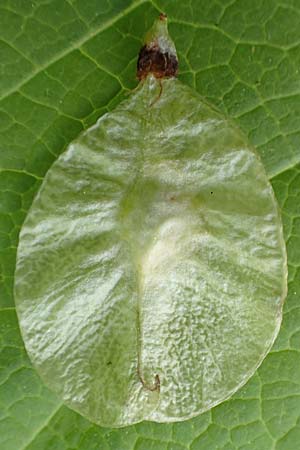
(60, 72)
(26, 404)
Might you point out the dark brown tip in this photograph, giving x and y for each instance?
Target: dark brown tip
(158, 55)
(152, 60)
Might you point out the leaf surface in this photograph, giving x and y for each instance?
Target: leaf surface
(243, 57)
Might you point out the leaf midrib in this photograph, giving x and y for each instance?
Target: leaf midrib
(77, 44)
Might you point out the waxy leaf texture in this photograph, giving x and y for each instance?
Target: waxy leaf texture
(151, 267)
(63, 66)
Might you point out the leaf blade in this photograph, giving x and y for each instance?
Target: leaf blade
(212, 82)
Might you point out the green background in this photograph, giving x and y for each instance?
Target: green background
(63, 63)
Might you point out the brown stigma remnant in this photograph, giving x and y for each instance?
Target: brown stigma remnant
(152, 59)
(154, 387)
